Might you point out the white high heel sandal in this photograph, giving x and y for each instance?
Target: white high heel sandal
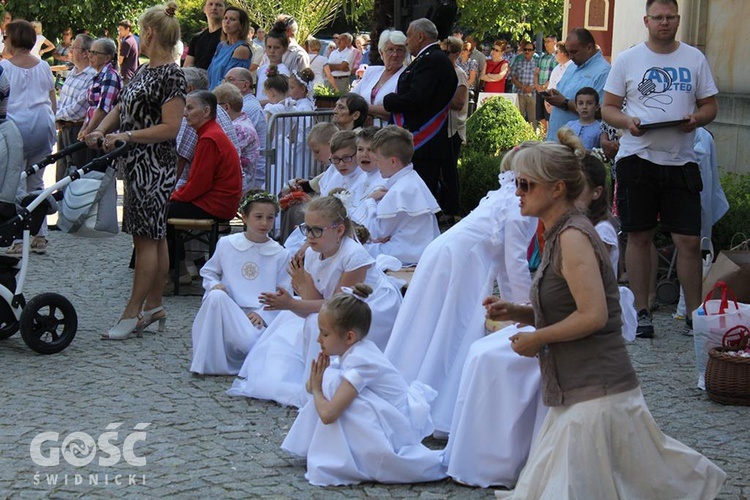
(123, 329)
(147, 318)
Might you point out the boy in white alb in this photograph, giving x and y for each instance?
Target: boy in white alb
(405, 221)
(343, 172)
(361, 212)
(663, 80)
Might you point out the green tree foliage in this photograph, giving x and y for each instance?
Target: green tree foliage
(311, 15)
(192, 19)
(94, 15)
(519, 18)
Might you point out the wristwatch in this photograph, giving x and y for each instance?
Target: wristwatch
(130, 136)
(564, 104)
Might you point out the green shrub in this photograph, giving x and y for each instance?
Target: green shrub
(495, 127)
(477, 174)
(737, 219)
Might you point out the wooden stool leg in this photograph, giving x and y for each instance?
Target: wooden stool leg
(213, 239)
(176, 261)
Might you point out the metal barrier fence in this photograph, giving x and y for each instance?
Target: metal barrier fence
(287, 154)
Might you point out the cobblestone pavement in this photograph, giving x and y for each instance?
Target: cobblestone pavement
(202, 443)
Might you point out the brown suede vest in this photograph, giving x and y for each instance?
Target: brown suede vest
(593, 366)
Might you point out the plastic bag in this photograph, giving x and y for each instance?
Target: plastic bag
(89, 206)
(718, 322)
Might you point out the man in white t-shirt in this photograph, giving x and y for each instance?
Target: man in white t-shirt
(661, 80)
(340, 62)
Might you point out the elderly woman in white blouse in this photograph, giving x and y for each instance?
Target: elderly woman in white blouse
(379, 81)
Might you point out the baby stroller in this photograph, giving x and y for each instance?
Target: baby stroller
(48, 322)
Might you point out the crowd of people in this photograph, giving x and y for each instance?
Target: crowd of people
(311, 319)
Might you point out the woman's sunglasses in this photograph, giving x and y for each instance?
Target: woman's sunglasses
(524, 185)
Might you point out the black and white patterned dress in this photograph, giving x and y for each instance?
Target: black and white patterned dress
(149, 169)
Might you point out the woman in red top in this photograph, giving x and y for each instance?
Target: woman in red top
(496, 70)
(214, 184)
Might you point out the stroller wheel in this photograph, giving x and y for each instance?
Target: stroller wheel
(48, 323)
(8, 322)
(668, 291)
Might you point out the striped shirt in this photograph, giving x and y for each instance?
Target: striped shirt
(73, 103)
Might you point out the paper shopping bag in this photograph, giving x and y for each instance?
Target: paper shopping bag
(733, 268)
(716, 323)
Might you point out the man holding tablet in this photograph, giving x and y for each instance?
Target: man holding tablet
(670, 91)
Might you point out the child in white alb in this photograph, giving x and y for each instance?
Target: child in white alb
(364, 422)
(277, 366)
(231, 317)
(361, 212)
(344, 172)
(298, 99)
(405, 221)
(456, 272)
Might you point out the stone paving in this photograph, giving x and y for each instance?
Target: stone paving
(200, 443)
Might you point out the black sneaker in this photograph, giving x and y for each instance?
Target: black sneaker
(645, 328)
(688, 331)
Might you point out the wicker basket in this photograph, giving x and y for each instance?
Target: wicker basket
(728, 377)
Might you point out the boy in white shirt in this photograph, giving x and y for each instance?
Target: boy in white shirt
(344, 171)
(405, 221)
(361, 212)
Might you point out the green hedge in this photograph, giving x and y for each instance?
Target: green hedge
(737, 219)
(494, 128)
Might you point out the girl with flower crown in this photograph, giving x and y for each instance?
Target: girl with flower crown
(277, 366)
(244, 265)
(364, 422)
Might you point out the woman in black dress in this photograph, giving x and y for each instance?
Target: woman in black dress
(148, 116)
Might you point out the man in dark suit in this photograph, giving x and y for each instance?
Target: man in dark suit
(421, 104)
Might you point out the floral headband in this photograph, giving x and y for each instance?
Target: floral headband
(261, 196)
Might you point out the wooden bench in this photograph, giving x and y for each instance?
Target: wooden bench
(203, 230)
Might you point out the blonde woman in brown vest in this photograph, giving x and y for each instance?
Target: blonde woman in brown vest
(598, 439)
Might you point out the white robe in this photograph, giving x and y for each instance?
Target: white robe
(442, 313)
(498, 412)
(278, 366)
(222, 334)
(378, 436)
(406, 215)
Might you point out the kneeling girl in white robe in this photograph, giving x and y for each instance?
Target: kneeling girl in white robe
(364, 422)
(231, 317)
(277, 367)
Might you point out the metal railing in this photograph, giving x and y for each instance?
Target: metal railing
(287, 153)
